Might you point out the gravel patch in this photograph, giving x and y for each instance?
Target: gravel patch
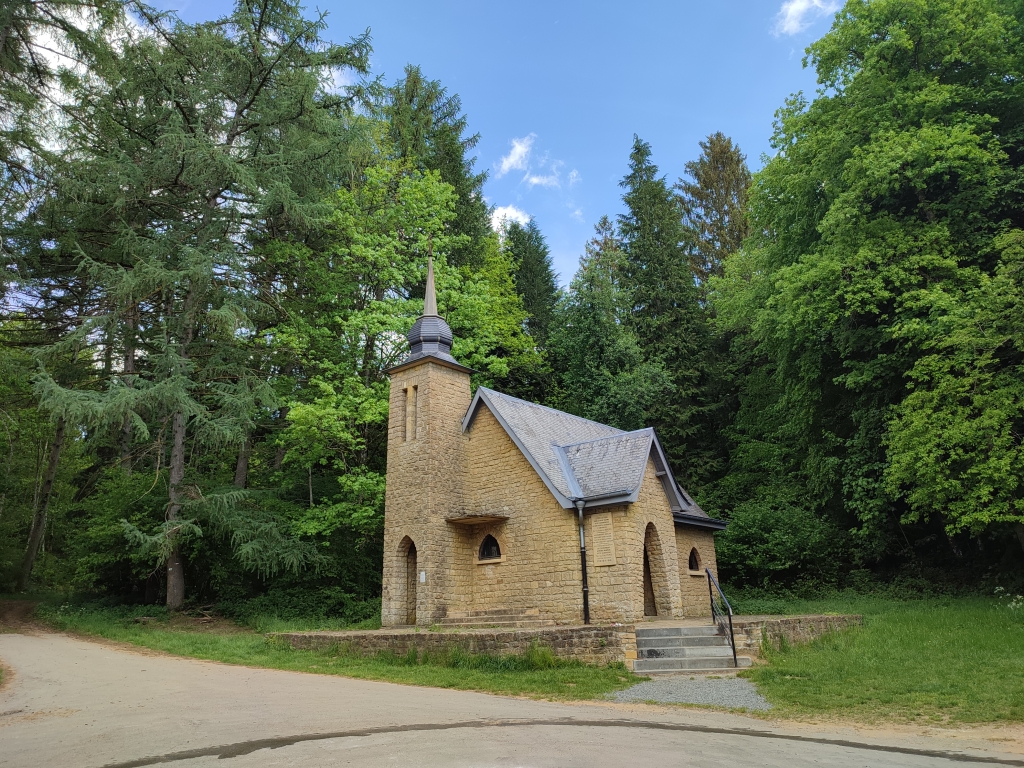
(721, 692)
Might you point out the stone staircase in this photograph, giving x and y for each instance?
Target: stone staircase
(496, 618)
(681, 650)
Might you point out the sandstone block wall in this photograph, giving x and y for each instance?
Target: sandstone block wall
(424, 452)
(540, 567)
(437, 472)
(694, 584)
(591, 645)
(751, 631)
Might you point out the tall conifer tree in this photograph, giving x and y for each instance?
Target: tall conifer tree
(713, 199)
(599, 368)
(429, 129)
(195, 140)
(666, 311)
(534, 276)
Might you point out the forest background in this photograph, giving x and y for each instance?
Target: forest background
(212, 252)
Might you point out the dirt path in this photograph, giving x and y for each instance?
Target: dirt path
(16, 616)
(77, 703)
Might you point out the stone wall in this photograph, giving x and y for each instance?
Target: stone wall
(425, 452)
(750, 631)
(437, 472)
(591, 645)
(694, 584)
(540, 566)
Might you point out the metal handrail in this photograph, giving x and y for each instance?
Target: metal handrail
(718, 616)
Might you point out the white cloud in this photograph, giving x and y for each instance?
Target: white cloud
(574, 176)
(518, 159)
(578, 215)
(796, 15)
(504, 213)
(552, 179)
(535, 180)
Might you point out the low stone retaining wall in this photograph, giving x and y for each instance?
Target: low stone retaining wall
(751, 631)
(590, 644)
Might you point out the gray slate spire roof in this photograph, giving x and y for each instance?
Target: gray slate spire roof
(579, 459)
(430, 335)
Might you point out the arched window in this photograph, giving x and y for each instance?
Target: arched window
(489, 549)
(694, 560)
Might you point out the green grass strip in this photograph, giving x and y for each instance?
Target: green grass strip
(536, 673)
(936, 661)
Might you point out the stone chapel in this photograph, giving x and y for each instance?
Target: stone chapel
(498, 508)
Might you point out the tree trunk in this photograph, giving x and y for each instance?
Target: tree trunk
(175, 569)
(129, 377)
(35, 535)
(1019, 528)
(242, 466)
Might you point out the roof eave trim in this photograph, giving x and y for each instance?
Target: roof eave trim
(681, 501)
(481, 395)
(695, 521)
(429, 358)
(609, 499)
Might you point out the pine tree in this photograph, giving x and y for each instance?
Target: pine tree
(195, 141)
(600, 370)
(534, 276)
(669, 321)
(429, 129)
(713, 200)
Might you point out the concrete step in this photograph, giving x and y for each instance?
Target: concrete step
(712, 641)
(675, 666)
(650, 632)
(684, 653)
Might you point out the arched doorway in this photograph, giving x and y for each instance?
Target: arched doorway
(411, 579)
(650, 604)
(657, 595)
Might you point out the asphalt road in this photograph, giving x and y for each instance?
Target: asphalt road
(68, 702)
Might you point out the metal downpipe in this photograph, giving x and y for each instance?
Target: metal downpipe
(583, 564)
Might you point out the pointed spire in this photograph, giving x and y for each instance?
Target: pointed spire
(430, 335)
(430, 298)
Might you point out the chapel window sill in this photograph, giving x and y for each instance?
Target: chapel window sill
(695, 573)
(491, 561)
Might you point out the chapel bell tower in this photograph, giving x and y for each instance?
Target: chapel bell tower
(430, 394)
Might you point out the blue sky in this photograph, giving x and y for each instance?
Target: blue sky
(557, 89)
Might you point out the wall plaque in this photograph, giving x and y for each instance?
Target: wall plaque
(603, 541)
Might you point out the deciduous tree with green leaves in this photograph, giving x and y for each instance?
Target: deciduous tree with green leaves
(878, 290)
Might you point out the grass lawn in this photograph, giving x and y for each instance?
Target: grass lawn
(929, 661)
(537, 673)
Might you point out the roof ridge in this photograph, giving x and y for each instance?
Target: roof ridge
(553, 410)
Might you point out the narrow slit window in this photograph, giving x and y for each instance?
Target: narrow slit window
(405, 413)
(489, 549)
(694, 560)
(410, 412)
(415, 414)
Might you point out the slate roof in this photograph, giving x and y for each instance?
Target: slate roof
(582, 459)
(610, 464)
